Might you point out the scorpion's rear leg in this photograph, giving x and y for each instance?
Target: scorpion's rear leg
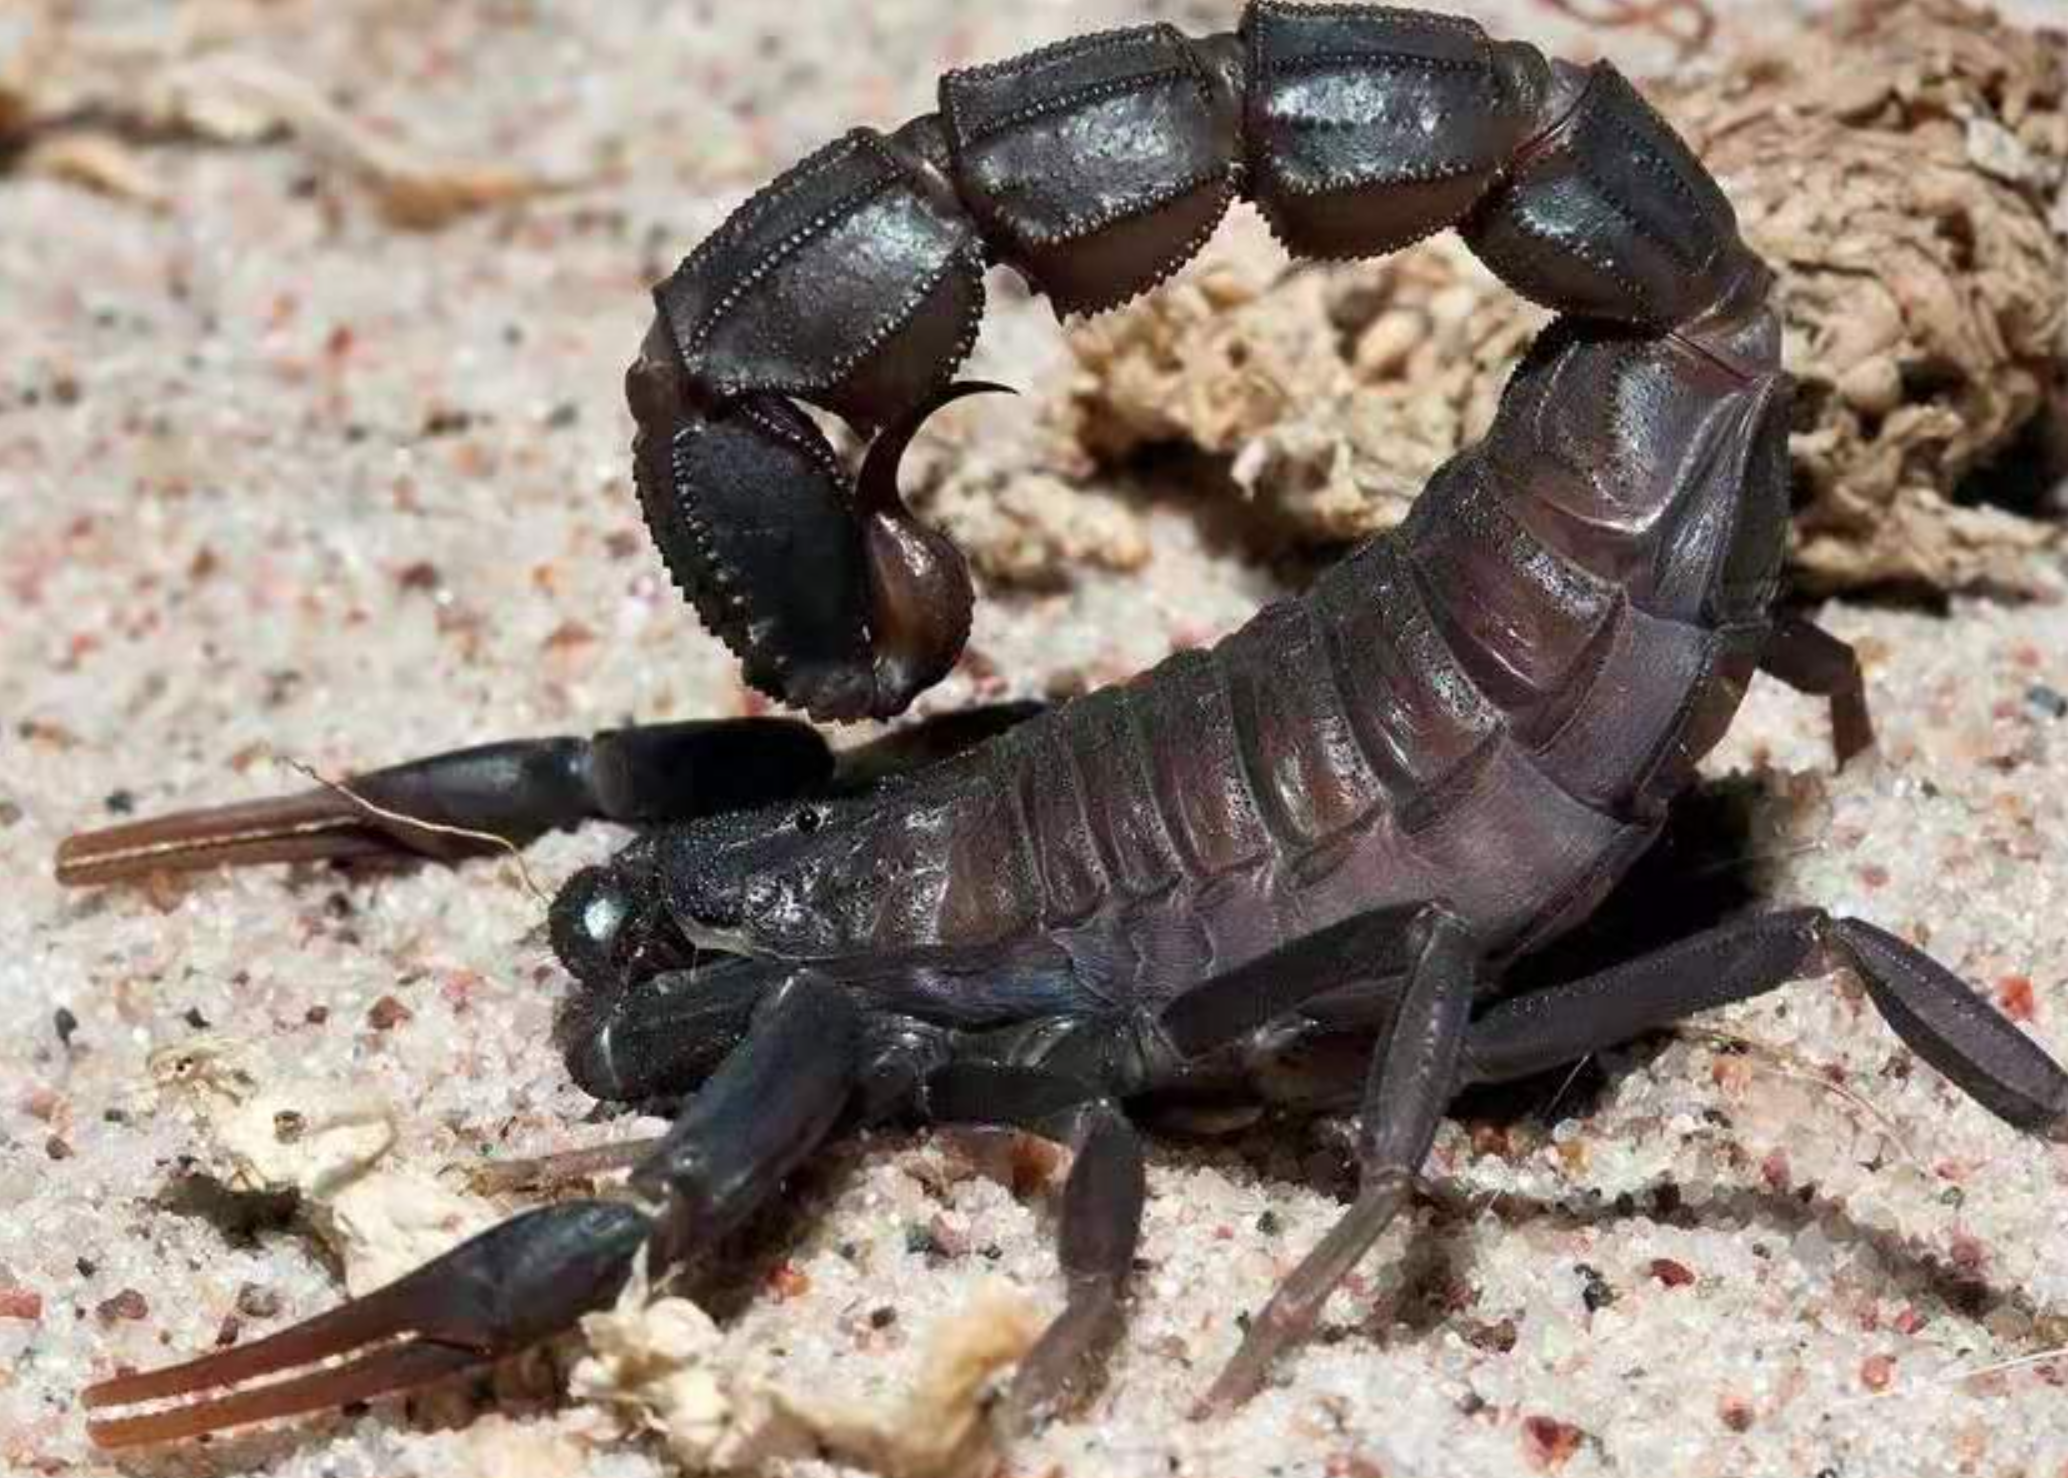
(767, 1107)
(1811, 660)
(1931, 1009)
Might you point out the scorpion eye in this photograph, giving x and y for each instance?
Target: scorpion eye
(809, 820)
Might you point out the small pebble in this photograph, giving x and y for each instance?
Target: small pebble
(1548, 1442)
(257, 1301)
(1670, 1273)
(1497, 1338)
(2047, 700)
(387, 1013)
(788, 1282)
(2015, 995)
(1595, 1291)
(128, 1304)
(66, 1023)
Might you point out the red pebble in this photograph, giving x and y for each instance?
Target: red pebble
(1548, 1442)
(2014, 995)
(128, 1304)
(1672, 1274)
(1774, 1169)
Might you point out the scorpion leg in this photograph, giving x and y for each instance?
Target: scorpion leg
(1811, 660)
(1931, 1009)
(1366, 947)
(766, 1108)
(1413, 1074)
(1102, 1206)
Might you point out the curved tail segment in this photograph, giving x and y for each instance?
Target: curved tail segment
(1095, 168)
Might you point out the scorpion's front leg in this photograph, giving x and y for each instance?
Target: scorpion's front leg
(762, 1112)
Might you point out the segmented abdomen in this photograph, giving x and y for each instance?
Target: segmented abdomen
(1488, 706)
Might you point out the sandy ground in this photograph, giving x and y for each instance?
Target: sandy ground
(279, 480)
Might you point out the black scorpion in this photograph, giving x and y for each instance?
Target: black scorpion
(1343, 824)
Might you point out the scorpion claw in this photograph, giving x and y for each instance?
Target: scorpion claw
(490, 1297)
(470, 802)
(419, 1363)
(312, 826)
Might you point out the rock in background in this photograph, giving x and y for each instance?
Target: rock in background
(1901, 164)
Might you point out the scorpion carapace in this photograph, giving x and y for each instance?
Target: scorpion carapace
(1342, 825)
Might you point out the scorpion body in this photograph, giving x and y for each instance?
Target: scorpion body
(1490, 706)
(1345, 822)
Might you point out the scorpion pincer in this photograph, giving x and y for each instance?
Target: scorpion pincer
(1346, 823)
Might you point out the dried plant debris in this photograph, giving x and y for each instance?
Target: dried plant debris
(1333, 392)
(1902, 164)
(660, 1366)
(1027, 527)
(266, 1128)
(86, 104)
